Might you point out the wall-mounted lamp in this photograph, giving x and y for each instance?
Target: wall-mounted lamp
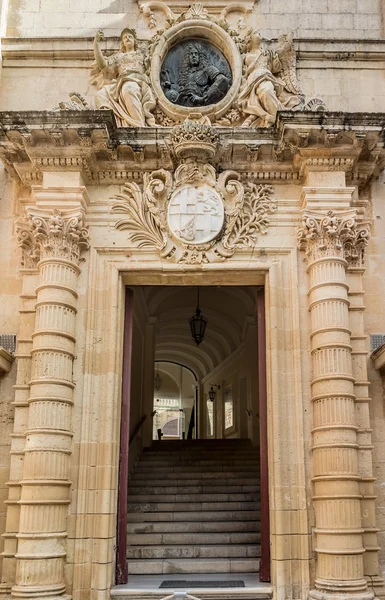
(213, 391)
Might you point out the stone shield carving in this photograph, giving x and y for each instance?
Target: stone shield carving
(196, 214)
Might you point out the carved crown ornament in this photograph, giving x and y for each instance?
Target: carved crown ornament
(340, 235)
(54, 234)
(193, 215)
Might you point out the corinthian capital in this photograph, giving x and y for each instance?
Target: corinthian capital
(55, 234)
(334, 235)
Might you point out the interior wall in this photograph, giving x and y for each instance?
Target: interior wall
(238, 367)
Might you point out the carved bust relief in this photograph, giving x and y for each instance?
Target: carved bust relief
(195, 73)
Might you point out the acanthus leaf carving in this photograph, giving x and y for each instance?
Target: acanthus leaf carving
(56, 234)
(146, 210)
(30, 250)
(249, 217)
(334, 235)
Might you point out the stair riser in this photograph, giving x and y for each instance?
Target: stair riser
(228, 527)
(194, 468)
(188, 483)
(198, 462)
(157, 539)
(165, 552)
(195, 498)
(250, 515)
(154, 567)
(192, 490)
(180, 475)
(190, 506)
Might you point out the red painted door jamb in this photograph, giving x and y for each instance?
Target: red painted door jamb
(121, 531)
(264, 569)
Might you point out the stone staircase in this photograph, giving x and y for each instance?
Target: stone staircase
(194, 508)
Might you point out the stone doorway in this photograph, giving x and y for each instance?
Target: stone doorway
(224, 420)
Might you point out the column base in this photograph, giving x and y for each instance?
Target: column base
(40, 593)
(5, 591)
(340, 594)
(377, 584)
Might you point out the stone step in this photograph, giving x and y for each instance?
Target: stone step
(206, 455)
(187, 483)
(193, 498)
(186, 538)
(191, 506)
(194, 527)
(195, 468)
(191, 551)
(192, 565)
(207, 515)
(180, 474)
(193, 489)
(230, 460)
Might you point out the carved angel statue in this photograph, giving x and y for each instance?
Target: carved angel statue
(270, 83)
(123, 86)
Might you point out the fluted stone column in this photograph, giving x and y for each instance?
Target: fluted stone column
(328, 238)
(56, 239)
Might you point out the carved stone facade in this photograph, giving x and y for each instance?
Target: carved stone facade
(212, 148)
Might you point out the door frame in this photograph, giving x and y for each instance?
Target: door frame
(121, 571)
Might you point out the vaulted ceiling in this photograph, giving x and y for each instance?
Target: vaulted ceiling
(228, 310)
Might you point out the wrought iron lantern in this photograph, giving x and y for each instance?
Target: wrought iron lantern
(157, 380)
(198, 323)
(213, 391)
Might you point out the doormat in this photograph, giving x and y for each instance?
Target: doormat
(184, 583)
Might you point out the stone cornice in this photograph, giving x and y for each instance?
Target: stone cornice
(89, 142)
(6, 360)
(17, 52)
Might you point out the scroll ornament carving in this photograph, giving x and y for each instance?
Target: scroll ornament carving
(334, 235)
(58, 234)
(246, 209)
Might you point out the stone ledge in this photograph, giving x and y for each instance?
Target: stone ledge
(378, 358)
(89, 141)
(22, 50)
(6, 360)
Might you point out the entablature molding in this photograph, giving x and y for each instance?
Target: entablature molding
(89, 142)
(78, 51)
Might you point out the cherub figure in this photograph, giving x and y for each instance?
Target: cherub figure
(123, 86)
(263, 93)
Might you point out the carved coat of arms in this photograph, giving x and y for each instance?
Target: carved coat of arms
(196, 214)
(192, 215)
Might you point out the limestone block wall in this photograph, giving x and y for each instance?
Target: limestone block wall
(349, 19)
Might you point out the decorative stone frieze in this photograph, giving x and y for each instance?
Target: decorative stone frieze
(330, 241)
(55, 239)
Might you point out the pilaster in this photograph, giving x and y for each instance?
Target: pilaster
(22, 390)
(330, 238)
(54, 237)
(358, 338)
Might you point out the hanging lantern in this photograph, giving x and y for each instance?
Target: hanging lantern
(213, 391)
(198, 324)
(157, 381)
